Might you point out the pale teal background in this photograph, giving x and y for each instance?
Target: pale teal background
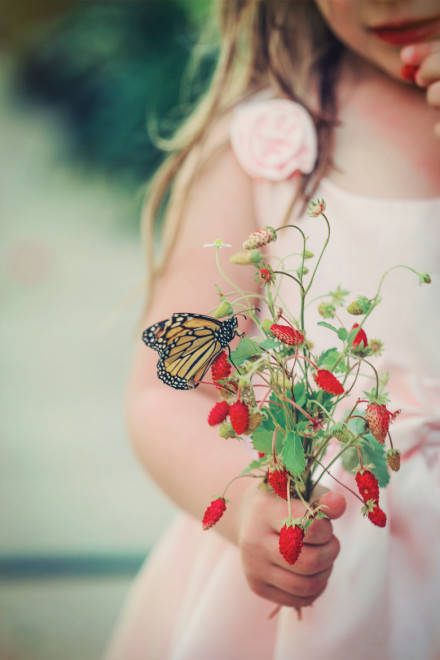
(77, 512)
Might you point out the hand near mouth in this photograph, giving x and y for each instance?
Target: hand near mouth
(426, 57)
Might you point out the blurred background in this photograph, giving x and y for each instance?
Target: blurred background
(80, 82)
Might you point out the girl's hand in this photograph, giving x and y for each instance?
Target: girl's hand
(426, 56)
(267, 573)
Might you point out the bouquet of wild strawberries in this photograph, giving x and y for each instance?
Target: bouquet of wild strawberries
(292, 423)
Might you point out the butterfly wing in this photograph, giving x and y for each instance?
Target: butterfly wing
(187, 345)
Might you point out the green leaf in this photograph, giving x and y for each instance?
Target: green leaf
(328, 359)
(356, 425)
(342, 334)
(245, 350)
(293, 453)
(328, 325)
(263, 434)
(299, 393)
(268, 344)
(254, 465)
(373, 452)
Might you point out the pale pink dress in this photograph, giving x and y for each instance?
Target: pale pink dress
(191, 600)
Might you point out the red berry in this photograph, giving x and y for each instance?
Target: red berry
(214, 512)
(378, 420)
(218, 414)
(367, 485)
(378, 517)
(291, 542)
(360, 338)
(261, 454)
(220, 367)
(239, 416)
(286, 334)
(327, 382)
(278, 480)
(408, 72)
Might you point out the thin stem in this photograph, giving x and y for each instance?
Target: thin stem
(322, 252)
(282, 272)
(239, 476)
(337, 480)
(376, 375)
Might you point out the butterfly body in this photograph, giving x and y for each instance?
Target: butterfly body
(187, 345)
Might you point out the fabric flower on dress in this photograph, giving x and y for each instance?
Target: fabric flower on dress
(274, 139)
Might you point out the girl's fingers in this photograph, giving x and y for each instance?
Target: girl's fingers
(429, 70)
(298, 585)
(415, 53)
(433, 94)
(283, 597)
(334, 503)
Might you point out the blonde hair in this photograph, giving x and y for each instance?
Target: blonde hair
(283, 44)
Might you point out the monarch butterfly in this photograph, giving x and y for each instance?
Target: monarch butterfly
(187, 345)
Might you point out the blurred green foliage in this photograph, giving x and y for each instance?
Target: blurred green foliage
(109, 67)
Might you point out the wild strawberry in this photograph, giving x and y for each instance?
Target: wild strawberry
(378, 517)
(214, 512)
(378, 420)
(360, 338)
(220, 367)
(328, 382)
(255, 419)
(316, 207)
(291, 542)
(278, 480)
(393, 459)
(408, 72)
(342, 433)
(327, 310)
(226, 431)
(261, 454)
(286, 334)
(239, 416)
(259, 238)
(367, 485)
(218, 414)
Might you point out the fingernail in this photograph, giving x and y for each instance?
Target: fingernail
(407, 53)
(408, 72)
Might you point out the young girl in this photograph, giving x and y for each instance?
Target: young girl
(367, 72)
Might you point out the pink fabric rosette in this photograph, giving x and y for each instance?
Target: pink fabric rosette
(274, 139)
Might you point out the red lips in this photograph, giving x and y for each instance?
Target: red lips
(406, 32)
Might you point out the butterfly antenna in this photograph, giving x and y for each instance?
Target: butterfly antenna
(253, 309)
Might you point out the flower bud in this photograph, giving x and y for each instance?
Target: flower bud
(259, 238)
(224, 309)
(246, 257)
(316, 207)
